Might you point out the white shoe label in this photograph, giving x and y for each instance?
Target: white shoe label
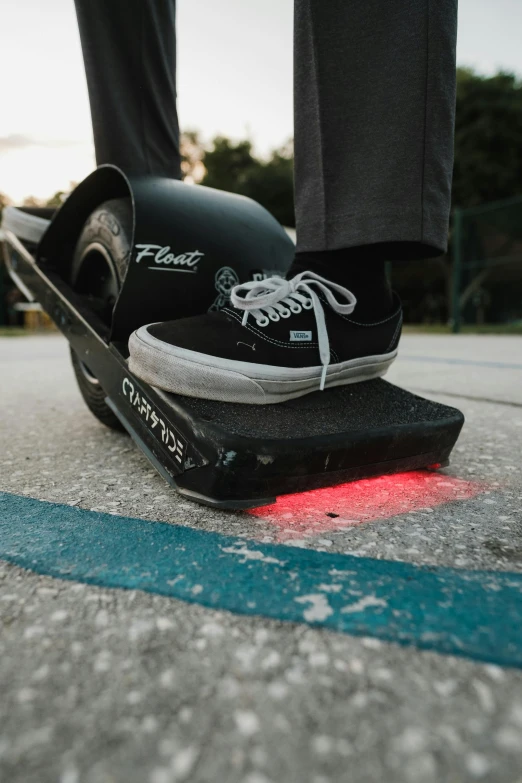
(305, 337)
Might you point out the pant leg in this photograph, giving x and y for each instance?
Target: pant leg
(374, 123)
(129, 50)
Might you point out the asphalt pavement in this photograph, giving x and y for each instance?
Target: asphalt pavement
(123, 682)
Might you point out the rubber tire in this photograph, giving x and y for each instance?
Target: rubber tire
(110, 226)
(94, 396)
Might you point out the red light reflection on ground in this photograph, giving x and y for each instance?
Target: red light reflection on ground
(322, 510)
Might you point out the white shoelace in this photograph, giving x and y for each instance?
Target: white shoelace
(275, 298)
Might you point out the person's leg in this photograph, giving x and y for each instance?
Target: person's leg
(374, 124)
(129, 50)
(375, 97)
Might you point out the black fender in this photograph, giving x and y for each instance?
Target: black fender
(190, 245)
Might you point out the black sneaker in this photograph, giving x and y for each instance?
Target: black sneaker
(279, 339)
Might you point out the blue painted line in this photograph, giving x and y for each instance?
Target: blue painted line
(466, 362)
(477, 614)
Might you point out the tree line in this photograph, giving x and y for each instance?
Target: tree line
(488, 153)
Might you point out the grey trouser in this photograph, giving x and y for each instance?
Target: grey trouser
(374, 108)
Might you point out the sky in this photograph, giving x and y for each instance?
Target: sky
(234, 77)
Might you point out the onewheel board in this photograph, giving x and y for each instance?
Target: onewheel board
(252, 454)
(223, 454)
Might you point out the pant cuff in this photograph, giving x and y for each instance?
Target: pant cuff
(429, 233)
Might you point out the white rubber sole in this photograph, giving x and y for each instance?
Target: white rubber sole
(193, 374)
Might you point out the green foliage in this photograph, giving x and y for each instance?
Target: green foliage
(488, 138)
(58, 198)
(272, 184)
(232, 166)
(229, 166)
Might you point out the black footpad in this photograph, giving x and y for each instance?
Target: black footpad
(249, 454)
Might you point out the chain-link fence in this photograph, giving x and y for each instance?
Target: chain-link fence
(487, 264)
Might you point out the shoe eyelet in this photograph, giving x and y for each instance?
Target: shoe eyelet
(308, 304)
(262, 321)
(285, 313)
(295, 308)
(274, 316)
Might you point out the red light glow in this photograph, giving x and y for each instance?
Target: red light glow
(347, 505)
